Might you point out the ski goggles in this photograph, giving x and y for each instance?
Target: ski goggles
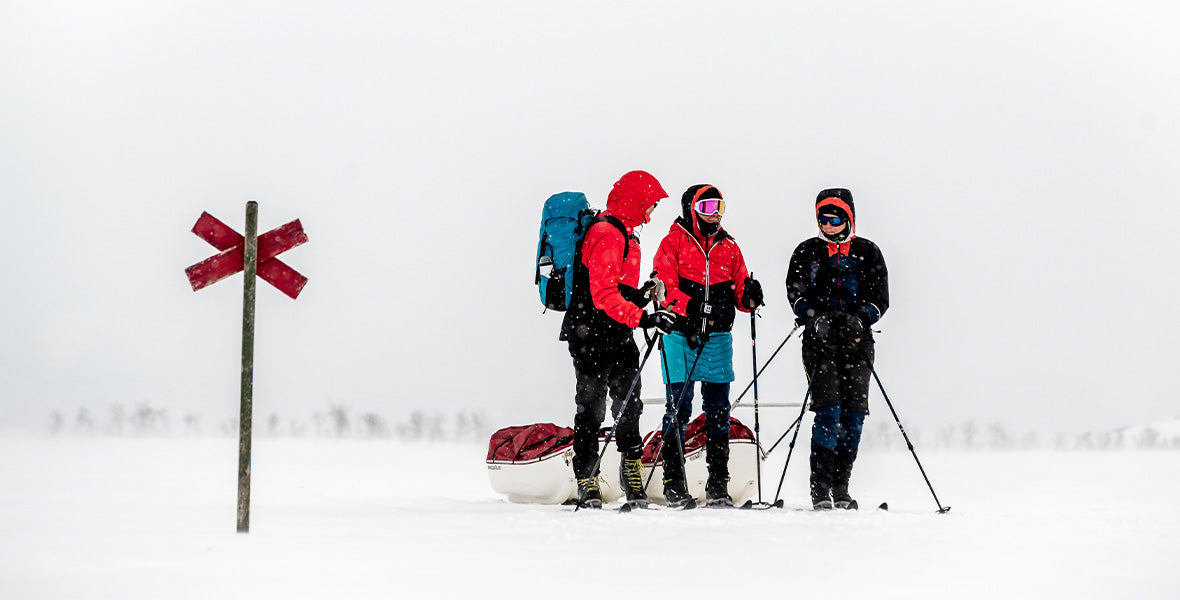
(831, 220)
(709, 207)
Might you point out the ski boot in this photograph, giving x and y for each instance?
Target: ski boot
(717, 486)
(676, 495)
(717, 493)
(822, 461)
(845, 503)
(841, 472)
(589, 494)
(675, 489)
(631, 480)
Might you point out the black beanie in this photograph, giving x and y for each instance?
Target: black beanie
(841, 194)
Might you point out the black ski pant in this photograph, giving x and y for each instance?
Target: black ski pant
(601, 370)
(842, 373)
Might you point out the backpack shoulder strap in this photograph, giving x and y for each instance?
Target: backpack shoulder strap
(618, 224)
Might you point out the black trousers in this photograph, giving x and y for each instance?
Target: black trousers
(842, 373)
(601, 370)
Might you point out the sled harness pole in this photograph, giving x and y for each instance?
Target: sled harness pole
(784, 435)
(908, 444)
(759, 372)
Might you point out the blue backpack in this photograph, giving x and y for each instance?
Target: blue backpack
(564, 222)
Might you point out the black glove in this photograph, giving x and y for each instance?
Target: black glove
(697, 339)
(867, 315)
(838, 327)
(663, 321)
(820, 326)
(636, 296)
(752, 296)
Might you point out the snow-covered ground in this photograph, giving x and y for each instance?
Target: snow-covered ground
(154, 518)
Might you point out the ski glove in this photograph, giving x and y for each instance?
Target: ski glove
(697, 339)
(752, 296)
(636, 296)
(868, 315)
(663, 321)
(838, 327)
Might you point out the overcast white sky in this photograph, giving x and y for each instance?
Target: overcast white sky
(1015, 161)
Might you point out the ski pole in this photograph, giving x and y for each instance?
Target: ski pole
(759, 372)
(622, 411)
(757, 424)
(791, 447)
(909, 444)
(663, 429)
(675, 423)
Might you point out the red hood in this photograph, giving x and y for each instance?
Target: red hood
(633, 194)
(842, 205)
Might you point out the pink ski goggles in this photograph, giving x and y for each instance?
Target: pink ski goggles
(709, 207)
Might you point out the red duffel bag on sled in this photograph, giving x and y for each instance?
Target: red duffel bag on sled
(533, 464)
(743, 471)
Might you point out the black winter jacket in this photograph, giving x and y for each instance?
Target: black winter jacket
(821, 280)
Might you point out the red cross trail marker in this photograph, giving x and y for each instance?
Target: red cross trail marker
(232, 246)
(254, 255)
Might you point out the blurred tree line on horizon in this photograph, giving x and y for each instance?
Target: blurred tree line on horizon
(340, 422)
(336, 421)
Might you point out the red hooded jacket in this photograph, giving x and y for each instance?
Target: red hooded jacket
(600, 316)
(603, 248)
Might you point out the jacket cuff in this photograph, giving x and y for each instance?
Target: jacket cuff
(803, 309)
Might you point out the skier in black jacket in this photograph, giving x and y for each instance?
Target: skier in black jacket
(838, 286)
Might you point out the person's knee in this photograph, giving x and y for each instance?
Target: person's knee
(715, 396)
(676, 390)
(851, 427)
(588, 414)
(824, 430)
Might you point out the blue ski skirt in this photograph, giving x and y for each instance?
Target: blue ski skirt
(715, 365)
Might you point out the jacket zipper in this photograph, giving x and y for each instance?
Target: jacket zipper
(839, 279)
(705, 319)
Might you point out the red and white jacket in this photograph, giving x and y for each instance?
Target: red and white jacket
(700, 269)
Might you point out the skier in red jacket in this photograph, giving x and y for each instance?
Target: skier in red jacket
(706, 280)
(605, 307)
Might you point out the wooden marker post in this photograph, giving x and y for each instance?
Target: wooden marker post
(254, 255)
(246, 418)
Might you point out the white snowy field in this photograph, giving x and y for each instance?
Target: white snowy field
(154, 518)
